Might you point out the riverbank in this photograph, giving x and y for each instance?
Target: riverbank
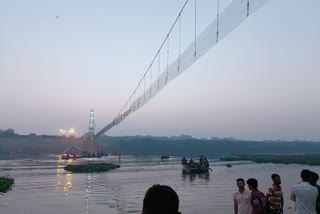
(312, 160)
(99, 167)
(6, 184)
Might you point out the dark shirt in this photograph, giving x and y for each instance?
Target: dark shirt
(318, 200)
(258, 202)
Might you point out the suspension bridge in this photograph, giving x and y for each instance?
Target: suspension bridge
(160, 72)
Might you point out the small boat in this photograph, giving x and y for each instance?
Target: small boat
(115, 154)
(196, 169)
(163, 156)
(70, 156)
(91, 156)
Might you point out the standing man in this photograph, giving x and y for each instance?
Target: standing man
(313, 182)
(242, 199)
(275, 195)
(304, 194)
(258, 199)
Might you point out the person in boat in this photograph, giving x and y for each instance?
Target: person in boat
(201, 161)
(162, 155)
(206, 162)
(68, 156)
(192, 164)
(184, 161)
(160, 199)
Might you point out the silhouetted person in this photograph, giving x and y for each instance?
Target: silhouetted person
(258, 199)
(313, 182)
(201, 160)
(184, 161)
(206, 162)
(304, 194)
(275, 195)
(160, 199)
(192, 164)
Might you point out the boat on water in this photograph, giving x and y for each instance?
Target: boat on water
(163, 156)
(115, 154)
(98, 154)
(193, 167)
(197, 169)
(70, 156)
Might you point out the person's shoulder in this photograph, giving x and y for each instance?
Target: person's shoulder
(271, 188)
(255, 193)
(297, 185)
(247, 191)
(314, 188)
(261, 194)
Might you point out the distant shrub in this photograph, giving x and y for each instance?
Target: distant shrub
(6, 184)
(99, 167)
(312, 160)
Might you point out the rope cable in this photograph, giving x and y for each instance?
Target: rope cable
(217, 37)
(179, 43)
(195, 30)
(167, 60)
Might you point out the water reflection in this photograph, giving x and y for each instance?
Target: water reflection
(58, 174)
(63, 183)
(68, 182)
(88, 191)
(192, 176)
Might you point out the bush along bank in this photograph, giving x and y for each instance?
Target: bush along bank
(312, 159)
(6, 184)
(99, 167)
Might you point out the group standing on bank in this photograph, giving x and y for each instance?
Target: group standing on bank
(305, 194)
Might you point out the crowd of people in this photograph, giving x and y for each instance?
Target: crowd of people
(162, 199)
(305, 194)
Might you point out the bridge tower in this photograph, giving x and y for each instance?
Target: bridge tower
(91, 123)
(89, 143)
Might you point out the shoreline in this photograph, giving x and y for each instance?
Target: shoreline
(308, 159)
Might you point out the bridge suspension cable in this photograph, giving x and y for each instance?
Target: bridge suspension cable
(225, 22)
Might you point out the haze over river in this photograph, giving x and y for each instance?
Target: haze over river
(42, 185)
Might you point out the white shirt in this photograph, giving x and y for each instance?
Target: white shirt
(244, 201)
(305, 196)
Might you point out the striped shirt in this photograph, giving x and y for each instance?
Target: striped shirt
(275, 195)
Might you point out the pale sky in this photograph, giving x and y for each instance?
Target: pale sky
(60, 58)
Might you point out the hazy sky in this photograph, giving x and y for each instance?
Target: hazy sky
(60, 58)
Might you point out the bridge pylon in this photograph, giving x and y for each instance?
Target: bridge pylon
(91, 123)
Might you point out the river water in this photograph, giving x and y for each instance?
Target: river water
(42, 185)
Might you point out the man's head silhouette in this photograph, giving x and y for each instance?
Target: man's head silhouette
(160, 199)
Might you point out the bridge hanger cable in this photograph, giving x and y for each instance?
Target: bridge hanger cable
(179, 43)
(195, 30)
(218, 8)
